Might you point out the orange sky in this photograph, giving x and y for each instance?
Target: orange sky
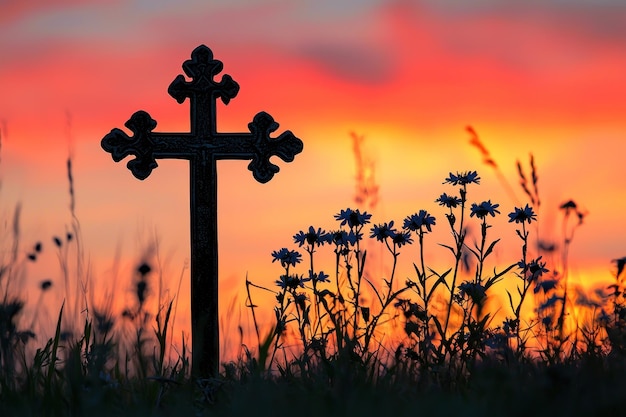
(408, 75)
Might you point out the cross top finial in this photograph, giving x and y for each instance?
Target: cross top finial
(203, 91)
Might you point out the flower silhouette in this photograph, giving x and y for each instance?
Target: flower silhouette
(287, 257)
(483, 209)
(521, 215)
(448, 200)
(402, 238)
(416, 221)
(464, 178)
(343, 238)
(312, 237)
(353, 218)
(383, 231)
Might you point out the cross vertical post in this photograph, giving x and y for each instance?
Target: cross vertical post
(203, 146)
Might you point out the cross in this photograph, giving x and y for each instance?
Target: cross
(203, 146)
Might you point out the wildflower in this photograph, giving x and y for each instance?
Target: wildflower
(483, 209)
(411, 309)
(317, 344)
(144, 269)
(510, 325)
(287, 257)
(38, 247)
(535, 267)
(550, 302)
(319, 277)
(311, 237)
(104, 322)
(343, 238)
(300, 300)
(416, 221)
(402, 238)
(464, 178)
(383, 231)
(473, 290)
(620, 263)
(45, 285)
(57, 241)
(547, 322)
(545, 286)
(289, 282)
(448, 200)
(521, 215)
(569, 205)
(353, 218)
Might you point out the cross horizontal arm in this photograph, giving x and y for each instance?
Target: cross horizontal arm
(148, 146)
(187, 146)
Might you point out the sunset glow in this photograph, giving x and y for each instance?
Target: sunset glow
(407, 76)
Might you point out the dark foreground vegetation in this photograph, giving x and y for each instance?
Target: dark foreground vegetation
(345, 341)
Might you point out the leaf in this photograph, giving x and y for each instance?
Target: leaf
(439, 327)
(417, 271)
(380, 299)
(449, 247)
(490, 248)
(476, 254)
(483, 322)
(440, 280)
(442, 276)
(511, 299)
(326, 292)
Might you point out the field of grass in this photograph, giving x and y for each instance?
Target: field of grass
(425, 344)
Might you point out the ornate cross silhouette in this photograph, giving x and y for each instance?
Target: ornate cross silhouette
(203, 146)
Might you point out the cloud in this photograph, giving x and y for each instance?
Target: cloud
(14, 10)
(545, 39)
(351, 62)
(594, 20)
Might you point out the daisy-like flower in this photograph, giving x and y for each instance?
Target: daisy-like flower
(483, 209)
(521, 215)
(312, 237)
(343, 238)
(402, 238)
(536, 268)
(463, 178)
(416, 221)
(448, 200)
(383, 231)
(353, 218)
(300, 299)
(473, 290)
(286, 257)
(320, 277)
(289, 282)
(509, 325)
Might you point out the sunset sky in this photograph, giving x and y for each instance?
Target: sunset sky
(541, 77)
